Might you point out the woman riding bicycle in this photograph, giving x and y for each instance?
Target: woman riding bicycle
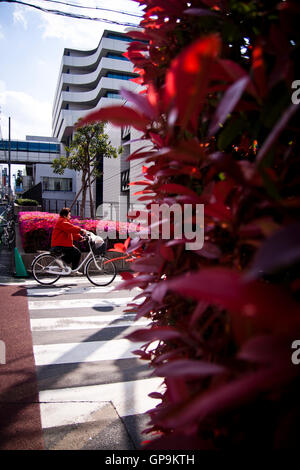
(63, 235)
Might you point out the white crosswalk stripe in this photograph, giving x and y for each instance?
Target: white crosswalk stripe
(77, 303)
(82, 357)
(129, 398)
(82, 323)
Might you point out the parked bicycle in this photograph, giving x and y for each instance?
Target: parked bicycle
(7, 233)
(7, 226)
(8, 213)
(48, 267)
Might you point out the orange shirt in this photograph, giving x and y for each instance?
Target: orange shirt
(64, 233)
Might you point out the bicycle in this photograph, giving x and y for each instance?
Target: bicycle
(7, 234)
(100, 270)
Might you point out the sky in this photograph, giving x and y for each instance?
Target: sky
(31, 49)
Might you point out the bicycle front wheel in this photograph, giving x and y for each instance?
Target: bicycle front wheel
(41, 269)
(100, 271)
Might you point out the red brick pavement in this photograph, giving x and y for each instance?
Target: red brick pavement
(20, 422)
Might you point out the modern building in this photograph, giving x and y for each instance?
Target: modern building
(36, 154)
(89, 80)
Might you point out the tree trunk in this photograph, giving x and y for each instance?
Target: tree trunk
(77, 195)
(92, 210)
(83, 199)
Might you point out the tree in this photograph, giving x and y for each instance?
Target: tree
(89, 145)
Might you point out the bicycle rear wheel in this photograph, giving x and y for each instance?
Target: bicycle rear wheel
(100, 271)
(41, 269)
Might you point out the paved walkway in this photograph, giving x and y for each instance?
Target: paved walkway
(19, 408)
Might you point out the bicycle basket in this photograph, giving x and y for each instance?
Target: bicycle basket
(98, 246)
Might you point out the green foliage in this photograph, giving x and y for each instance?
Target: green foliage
(90, 144)
(26, 202)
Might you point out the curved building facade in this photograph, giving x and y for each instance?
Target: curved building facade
(89, 80)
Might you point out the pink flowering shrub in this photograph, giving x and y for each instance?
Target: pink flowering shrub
(36, 230)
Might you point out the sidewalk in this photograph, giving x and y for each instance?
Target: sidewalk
(19, 409)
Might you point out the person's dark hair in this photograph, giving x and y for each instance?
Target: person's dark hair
(65, 212)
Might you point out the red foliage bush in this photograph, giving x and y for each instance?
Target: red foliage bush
(218, 109)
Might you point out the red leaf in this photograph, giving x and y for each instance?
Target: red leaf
(218, 211)
(186, 368)
(199, 12)
(259, 73)
(276, 131)
(179, 189)
(138, 35)
(163, 333)
(142, 354)
(156, 139)
(198, 312)
(159, 291)
(147, 265)
(229, 71)
(280, 250)
(136, 281)
(155, 395)
(141, 103)
(228, 103)
(266, 350)
(126, 275)
(167, 252)
(143, 183)
(188, 78)
(230, 396)
(136, 155)
(117, 115)
(119, 247)
(144, 309)
(209, 251)
(126, 243)
(263, 305)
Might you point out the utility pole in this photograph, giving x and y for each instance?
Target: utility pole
(9, 162)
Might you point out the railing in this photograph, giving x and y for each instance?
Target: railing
(107, 210)
(55, 205)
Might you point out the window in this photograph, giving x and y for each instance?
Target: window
(113, 94)
(120, 76)
(29, 146)
(123, 38)
(54, 148)
(113, 55)
(119, 37)
(44, 147)
(57, 184)
(23, 146)
(125, 180)
(33, 146)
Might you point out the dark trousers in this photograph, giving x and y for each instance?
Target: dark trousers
(71, 255)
